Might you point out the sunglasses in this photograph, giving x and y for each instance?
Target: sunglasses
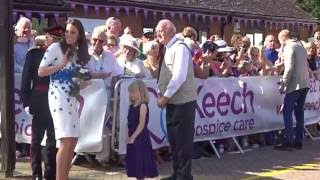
(98, 40)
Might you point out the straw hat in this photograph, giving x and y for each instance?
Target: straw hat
(131, 42)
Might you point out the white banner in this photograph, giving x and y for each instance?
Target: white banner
(226, 107)
(94, 100)
(23, 121)
(92, 107)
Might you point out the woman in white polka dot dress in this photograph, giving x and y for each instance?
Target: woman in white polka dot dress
(59, 61)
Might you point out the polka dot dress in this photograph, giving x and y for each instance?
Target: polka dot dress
(63, 107)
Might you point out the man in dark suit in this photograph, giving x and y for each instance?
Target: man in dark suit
(35, 98)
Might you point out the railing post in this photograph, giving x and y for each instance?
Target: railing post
(8, 149)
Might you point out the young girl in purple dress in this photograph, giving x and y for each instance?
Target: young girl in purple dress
(140, 159)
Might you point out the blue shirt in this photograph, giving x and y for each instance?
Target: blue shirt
(271, 54)
(20, 51)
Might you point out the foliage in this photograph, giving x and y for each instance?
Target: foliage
(311, 6)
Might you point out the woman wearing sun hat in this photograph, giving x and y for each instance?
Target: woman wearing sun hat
(128, 59)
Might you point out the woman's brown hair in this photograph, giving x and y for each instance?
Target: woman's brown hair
(82, 51)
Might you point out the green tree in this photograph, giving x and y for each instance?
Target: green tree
(311, 6)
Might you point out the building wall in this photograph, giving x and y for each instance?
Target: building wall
(137, 23)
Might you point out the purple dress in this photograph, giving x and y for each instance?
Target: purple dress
(140, 158)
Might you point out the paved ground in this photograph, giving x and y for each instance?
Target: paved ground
(262, 163)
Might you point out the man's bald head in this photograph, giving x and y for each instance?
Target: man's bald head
(113, 25)
(165, 31)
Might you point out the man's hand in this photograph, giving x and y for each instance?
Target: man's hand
(281, 87)
(162, 101)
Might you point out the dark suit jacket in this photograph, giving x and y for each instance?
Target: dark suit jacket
(34, 99)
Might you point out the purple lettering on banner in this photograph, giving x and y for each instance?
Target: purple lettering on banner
(153, 91)
(197, 130)
(243, 125)
(312, 86)
(246, 94)
(233, 109)
(197, 107)
(17, 111)
(21, 126)
(156, 138)
(312, 105)
(251, 124)
(27, 130)
(223, 100)
(212, 128)
(227, 126)
(208, 103)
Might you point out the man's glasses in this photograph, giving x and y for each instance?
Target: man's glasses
(98, 40)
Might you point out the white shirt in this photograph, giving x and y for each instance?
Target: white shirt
(180, 66)
(105, 62)
(134, 68)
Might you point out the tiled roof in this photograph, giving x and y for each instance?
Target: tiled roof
(269, 8)
(41, 5)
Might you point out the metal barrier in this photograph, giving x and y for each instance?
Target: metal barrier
(115, 124)
(115, 99)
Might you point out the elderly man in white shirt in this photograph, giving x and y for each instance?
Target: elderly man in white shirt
(178, 94)
(23, 42)
(103, 65)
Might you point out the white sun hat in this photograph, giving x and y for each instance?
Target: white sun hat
(222, 46)
(131, 42)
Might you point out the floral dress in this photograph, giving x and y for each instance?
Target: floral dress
(63, 107)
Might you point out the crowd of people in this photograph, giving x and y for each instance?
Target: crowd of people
(48, 61)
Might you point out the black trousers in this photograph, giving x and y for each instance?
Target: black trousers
(180, 127)
(42, 122)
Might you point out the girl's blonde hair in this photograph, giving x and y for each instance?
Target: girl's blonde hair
(253, 49)
(139, 85)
